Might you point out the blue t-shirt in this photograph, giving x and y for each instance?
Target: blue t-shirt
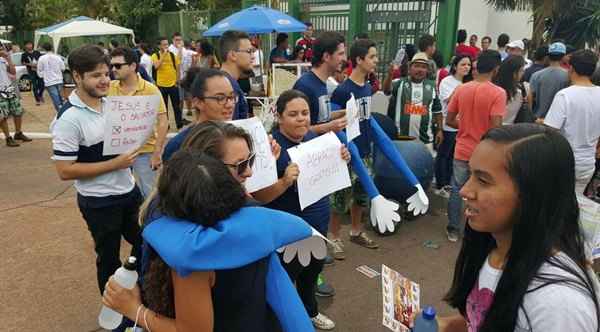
(316, 91)
(362, 94)
(241, 107)
(316, 214)
(175, 143)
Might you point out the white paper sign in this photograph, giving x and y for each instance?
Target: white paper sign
(322, 169)
(129, 122)
(264, 170)
(353, 119)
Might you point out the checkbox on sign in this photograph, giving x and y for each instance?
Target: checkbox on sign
(116, 130)
(115, 142)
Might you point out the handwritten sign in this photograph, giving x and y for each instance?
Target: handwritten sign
(264, 170)
(401, 298)
(353, 119)
(129, 122)
(322, 169)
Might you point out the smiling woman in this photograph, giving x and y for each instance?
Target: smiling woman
(522, 265)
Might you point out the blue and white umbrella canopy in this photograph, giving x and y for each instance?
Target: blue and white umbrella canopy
(256, 20)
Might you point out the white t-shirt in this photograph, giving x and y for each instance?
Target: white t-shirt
(4, 79)
(512, 108)
(553, 308)
(146, 63)
(576, 112)
(447, 87)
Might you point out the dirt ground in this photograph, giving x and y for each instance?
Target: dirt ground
(47, 261)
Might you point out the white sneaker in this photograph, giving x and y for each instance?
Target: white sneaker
(443, 192)
(338, 249)
(322, 322)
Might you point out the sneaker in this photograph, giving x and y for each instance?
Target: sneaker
(322, 322)
(328, 260)
(324, 289)
(21, 137)
(443, 192)
(189, 113)
(338, 249)
(10, 142)
(452, 235)
(363, 240)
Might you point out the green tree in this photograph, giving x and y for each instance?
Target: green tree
(576, 21)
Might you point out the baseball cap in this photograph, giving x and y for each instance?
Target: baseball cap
(516, 44)
(557, 48)
(420, 57)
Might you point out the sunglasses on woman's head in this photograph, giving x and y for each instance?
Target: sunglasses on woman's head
(243, 165)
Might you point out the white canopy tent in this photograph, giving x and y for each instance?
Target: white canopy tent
(80, 26)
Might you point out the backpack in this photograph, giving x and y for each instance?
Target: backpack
(154, 71)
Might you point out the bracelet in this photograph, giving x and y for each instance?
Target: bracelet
(145, 321)
(137, 313)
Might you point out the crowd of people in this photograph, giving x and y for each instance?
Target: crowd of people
(514, 141)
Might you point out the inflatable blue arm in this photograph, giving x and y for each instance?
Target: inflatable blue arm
(418, 203)
(359, 167)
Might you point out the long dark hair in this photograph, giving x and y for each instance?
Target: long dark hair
(197, 188)
(506, 75)
(454, 65)
(546, 221)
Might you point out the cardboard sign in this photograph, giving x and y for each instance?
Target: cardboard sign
(401, 298)
(129, 122)
(353, 119)
(264, 170)
(322, 169)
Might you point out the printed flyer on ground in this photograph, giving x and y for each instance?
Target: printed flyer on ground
(401, 298)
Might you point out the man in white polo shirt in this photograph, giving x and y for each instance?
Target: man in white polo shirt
(50, 67)
(106, 192)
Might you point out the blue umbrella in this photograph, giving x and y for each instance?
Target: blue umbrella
(256, 20)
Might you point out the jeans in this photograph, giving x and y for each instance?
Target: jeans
(305, 279)
(144, 173)
(37, 87)
(55, 92)
(107, 224)
(444, 159)
(173, 93)
(461, 174)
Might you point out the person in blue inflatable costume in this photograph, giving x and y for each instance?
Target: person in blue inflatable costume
(210, 261)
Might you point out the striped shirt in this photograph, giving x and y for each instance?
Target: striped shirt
(78, 135)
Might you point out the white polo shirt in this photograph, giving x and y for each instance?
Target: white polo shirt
(78, 134)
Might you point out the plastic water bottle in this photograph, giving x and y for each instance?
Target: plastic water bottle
(426, 321)
(126, 276)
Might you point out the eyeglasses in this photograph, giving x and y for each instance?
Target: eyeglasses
(223, 100)
(118, 65)
(249, 50)
(243, 165)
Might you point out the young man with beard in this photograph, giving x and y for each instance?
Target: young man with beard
(124, 65)
(237, 54)
(106, 192)
(329, 52)
(363, 55)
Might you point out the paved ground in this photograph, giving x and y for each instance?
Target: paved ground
(47, 270)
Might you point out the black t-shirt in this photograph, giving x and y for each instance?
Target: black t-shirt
(30, 57)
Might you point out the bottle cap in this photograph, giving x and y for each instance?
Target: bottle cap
(130, 264)
(429, 313)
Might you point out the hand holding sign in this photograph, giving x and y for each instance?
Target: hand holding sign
(264, 170)
(129, 122)
(322, 169)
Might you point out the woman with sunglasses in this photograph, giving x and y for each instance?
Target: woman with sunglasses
(293, 129)
(238, 296)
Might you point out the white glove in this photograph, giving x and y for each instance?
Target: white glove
(315, 246)
(383, 214)
(418, 203)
